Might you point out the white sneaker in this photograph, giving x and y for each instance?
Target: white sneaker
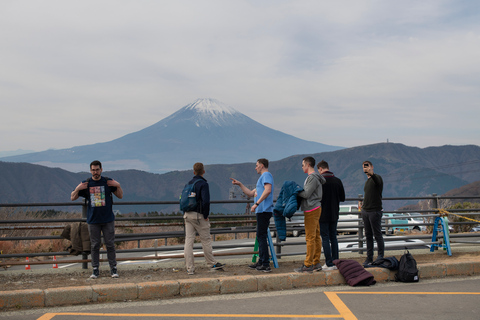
(325, 267)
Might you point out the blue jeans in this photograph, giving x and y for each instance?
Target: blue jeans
(108, 230)
(328, 232)
(372, 222)
(263, 221)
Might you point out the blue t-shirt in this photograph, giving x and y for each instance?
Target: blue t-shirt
(267, 204)
(99, 200)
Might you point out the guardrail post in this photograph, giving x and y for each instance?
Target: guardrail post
(84, 216)
(360, 226)
(434, 202)
(279, 247)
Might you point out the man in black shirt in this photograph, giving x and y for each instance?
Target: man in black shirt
(98, 191)
(333, 194)
(372, 212)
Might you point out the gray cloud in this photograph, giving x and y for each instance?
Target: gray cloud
(349, 73)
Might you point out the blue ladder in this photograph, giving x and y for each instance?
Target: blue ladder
(441, 224)
(272, 250)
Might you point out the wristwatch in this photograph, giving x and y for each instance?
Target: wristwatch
(256, 204)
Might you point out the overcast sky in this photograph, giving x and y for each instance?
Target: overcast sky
(343, 73)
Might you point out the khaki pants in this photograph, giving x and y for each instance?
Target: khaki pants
(196, 223)
(312, 237)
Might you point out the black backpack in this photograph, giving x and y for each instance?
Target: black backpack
(188, 198)
(407, 269)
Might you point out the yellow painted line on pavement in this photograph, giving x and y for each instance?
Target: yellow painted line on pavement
(445, 293)
(341, 307)
(49, 316)
(344, 311)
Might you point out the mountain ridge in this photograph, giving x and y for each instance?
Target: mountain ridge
(406, 171)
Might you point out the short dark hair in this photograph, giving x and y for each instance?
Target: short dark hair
(371, 164)
(323, 164)
(264, 162)
(198, 168)
(96, 163)
(310, 161)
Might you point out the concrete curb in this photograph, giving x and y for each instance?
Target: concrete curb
(197, 287)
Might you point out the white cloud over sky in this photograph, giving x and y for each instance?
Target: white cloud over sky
(343, 73)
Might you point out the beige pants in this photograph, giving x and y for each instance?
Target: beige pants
(196, 223)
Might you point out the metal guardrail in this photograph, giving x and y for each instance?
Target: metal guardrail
(243, 225)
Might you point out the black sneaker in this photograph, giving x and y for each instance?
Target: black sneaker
(264, 268)
(217, 266)
(303, 269)
(255, 266)
(95, 274)
(317, 267)
(113, 272)
(367, 262)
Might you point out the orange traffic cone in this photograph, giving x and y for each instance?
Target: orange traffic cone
(27, 266)
(55, 265)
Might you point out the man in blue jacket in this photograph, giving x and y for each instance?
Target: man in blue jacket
(197, 221)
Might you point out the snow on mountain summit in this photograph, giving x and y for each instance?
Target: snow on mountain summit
(211, 106)
(209, 113)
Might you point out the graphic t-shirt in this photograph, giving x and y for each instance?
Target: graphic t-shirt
(99, 200)
(267, 204)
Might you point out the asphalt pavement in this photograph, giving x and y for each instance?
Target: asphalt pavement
(440, 299)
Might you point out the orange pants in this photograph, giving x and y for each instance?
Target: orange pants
(312, 237)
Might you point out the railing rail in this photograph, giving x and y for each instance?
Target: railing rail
(243, 224)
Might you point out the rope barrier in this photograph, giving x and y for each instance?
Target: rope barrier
(445, 213)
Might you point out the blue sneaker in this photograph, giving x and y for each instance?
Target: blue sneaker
(217, 266)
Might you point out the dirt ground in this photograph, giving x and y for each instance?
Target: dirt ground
(55, 278)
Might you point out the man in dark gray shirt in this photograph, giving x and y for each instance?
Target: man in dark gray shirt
(372, 212)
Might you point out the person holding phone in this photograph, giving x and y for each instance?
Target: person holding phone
(372, 212)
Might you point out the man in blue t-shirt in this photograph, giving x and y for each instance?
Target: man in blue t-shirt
(100, 218)
(263, 207)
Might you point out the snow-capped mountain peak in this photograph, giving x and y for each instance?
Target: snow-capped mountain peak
(208, 113)
(211, 106)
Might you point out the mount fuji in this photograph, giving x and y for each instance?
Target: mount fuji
(205, 131)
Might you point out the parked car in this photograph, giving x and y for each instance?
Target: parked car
(295, 225)
(398, 223)
(416, 220)
(348, 219)
(475, 229)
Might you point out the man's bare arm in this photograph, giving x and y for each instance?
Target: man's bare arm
(248, 192)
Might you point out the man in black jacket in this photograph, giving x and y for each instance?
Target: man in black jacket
(372, 211)
(197, 221)
(333, 194)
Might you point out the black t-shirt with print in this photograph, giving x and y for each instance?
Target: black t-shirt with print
(99, 200)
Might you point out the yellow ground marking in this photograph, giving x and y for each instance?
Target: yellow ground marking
(344, 311)
(49, 316)
(432, 293)
(341, 307)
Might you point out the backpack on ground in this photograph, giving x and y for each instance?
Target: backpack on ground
(407, 269)
(188, 198)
